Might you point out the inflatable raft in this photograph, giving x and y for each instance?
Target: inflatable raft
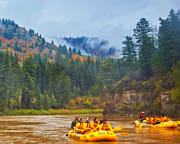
(93, 136)
(169, 124)
(178, 122)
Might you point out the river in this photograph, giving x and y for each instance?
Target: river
(53, 129)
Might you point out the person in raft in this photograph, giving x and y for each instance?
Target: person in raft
(105, 126)
(89, 118)
(88, 124)
(95, 125)
(81, 125)
(142, 116)
(74, 122)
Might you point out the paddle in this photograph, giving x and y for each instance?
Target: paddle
(117, 129)
(123, 133)
(126, 123)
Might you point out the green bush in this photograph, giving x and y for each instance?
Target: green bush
(88, 103)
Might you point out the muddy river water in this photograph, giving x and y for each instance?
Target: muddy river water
(53, 129)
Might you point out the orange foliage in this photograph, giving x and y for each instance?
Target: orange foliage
(31, 52)
(3, 39)
(47, 96)
(29, 44)
(82, 58)
(78, 99)
(75, 56)
(15, 39)
(11, 42)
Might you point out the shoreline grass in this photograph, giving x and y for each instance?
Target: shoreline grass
(51, 111)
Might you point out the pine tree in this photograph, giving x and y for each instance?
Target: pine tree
(28, 82)
(169, 42)
(15, 82)
(129, 53)
(144, 42)
(62, 89)
(3, 83)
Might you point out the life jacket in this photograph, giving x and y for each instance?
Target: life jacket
(156, 119)
(88, 126)
(80, 126)
(165, 119)
(169, 119)
(106, 127)
(95, 127)
(151, 120)
(161, 119)
(147, 118)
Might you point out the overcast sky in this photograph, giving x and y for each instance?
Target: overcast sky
(108, 19)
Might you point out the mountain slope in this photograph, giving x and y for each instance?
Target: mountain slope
(24, 42)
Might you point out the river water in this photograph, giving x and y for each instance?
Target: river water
(53, 129)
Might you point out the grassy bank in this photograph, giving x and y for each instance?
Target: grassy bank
(51, 111)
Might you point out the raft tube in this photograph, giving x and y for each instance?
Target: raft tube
(178, 122)
(94, 136)
(169, 124)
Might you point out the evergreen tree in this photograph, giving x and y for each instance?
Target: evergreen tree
(28, 83)
(14, 83)
(129, 53)
(169, 42)
(144, 42)
(62, 89)
(16, 47)
(3, 83)
(0, 43)
(79, 52)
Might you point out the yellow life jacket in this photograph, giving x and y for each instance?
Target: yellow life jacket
(95, 127)
(80, 126)
(88, 126)
(106, 127)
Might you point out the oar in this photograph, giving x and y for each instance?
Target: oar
(123, 133)
(126, 123)
(80, 130)
(117, 129)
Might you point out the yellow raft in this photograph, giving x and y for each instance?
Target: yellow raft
(169, 124)
(94, 136)
(178, 122)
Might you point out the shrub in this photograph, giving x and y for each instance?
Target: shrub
(88, 103)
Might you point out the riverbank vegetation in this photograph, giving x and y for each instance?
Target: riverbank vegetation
(63, 78)
(51, 111)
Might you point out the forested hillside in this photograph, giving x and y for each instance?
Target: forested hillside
(40, 75)
(151, 61)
